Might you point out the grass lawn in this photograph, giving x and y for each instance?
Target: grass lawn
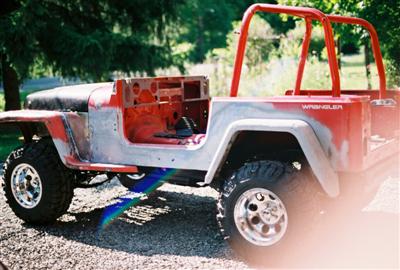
(280, 75)
(353, 73)
(9, 140)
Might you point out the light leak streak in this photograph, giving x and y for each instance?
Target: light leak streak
(147, 185)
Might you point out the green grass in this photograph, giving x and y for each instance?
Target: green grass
(353, 73)
(317, 75)
(9, 140)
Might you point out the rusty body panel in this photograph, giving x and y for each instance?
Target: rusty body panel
(133, 123)
(58, 126)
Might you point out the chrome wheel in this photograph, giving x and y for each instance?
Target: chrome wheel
(136, 176)
(26, 185)
(260, 217)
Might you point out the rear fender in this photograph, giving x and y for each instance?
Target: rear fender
(305, 136)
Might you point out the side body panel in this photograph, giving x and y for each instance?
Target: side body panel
(331, 120)
(334, 133)
(324, 121)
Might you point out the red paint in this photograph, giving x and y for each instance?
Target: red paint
(384, 120)
(303, 57)
(53, 121)
(357, 119)
(156, 110)
(350, 120)
(73, 163)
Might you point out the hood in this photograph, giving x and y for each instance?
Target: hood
(67, 98)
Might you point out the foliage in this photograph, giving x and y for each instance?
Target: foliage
(260, 47)
(260, 43)
(88, 39)
(204, 26)
(385, 16)
(342, 7)
(317, 75)
(279, 24)
(291, 43)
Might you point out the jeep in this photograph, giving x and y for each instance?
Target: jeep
(269, 157)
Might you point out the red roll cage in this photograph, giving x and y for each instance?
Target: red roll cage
(309, 14)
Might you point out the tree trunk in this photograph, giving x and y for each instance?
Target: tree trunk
(200, 55)
(367, 60)
(10, 85)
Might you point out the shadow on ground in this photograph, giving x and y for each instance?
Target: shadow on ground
(166, 223)
(351, 233)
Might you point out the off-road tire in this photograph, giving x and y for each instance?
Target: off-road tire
(298, 193)
(57, 184)
(130, 183)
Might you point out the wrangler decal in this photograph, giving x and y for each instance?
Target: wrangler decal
(322, 107)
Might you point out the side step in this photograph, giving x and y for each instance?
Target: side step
(73, 163)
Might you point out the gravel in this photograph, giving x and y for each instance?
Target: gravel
(175, 228)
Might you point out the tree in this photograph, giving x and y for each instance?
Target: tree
(385, 16)
(85, 38)
(205, 24)
(341, 31)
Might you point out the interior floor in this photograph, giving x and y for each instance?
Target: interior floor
(171, 110)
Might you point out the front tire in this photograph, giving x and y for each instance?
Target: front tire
(37, 185)
(265, 208)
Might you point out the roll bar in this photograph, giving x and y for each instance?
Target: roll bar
(308, 14)
(376, 49)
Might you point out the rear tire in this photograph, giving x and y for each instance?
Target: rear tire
(37, 186)
(266, 209)
(130, 180)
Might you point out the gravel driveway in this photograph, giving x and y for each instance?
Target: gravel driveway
(176, 229)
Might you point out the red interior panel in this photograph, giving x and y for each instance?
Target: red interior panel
(156, 106)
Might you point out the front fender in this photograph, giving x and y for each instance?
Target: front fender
(61, 134)
(304, 134)
(54, 122)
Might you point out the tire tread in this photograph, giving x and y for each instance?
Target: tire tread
(55, 175)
